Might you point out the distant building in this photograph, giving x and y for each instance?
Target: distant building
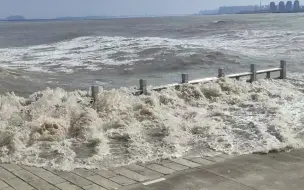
(256, 7)
(235, 9)
(273, 7)
(289, 6)
(208, 12)
(282, 6)
(296, 5)
(15, 18)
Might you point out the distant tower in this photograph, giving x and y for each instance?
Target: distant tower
(273, 7)
(281, 6)
(289, 6)
(296, 5)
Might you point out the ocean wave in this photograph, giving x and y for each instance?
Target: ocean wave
(254, 34)
(220, 22)
(67, 36)
(96, 53)
(63, 130)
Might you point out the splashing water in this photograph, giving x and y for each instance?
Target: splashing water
(61, 129)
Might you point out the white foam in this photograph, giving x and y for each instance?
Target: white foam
(59, 129)
(95, 52)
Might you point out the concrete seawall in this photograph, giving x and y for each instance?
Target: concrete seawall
(279, 171)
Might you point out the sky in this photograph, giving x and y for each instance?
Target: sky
(58, 8)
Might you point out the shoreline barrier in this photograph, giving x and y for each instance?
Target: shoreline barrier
(185, 79)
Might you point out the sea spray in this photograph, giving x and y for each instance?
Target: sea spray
(63, 130)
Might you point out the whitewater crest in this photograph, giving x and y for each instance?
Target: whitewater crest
(96, 53)
(63, 130)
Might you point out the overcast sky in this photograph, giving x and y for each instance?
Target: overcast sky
(55, 8)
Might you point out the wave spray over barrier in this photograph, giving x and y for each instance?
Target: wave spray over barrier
(63, 130)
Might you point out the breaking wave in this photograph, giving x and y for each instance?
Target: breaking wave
(63, 130)
(95, 53)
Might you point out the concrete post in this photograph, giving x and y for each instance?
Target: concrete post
(143, 86)
(94, 92)
(253, 76)
(221, 73)
(283, 69)
(268, 75)
(185, 78)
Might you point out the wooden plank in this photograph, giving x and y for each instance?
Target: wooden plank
(25, 175)
(174, 165)
(45, 174)
(202, 161)
(93, 187)
(130, 174)
(68, 185)
(18, 184)
(5, 175)
(122, 180)
(104, 182)
(42, 185)
(105, 173)
(83, 172)
(73, 178)
(3, 184)
(144, 171)
(160, 169)
(187, 163)
(11, 167)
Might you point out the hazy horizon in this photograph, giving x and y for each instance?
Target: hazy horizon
(57, 8)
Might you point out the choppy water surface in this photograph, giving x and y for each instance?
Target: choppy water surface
(58, 127)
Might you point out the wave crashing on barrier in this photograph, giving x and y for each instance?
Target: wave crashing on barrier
(60, 129)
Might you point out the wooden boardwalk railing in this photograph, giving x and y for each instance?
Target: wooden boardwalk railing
(185, 79)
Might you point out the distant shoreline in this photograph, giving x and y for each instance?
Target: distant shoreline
(127, 17)
(44, 20)
(59, 19)
(87, 18)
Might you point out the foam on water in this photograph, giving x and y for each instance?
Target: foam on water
(62, 130)
(98, 52)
